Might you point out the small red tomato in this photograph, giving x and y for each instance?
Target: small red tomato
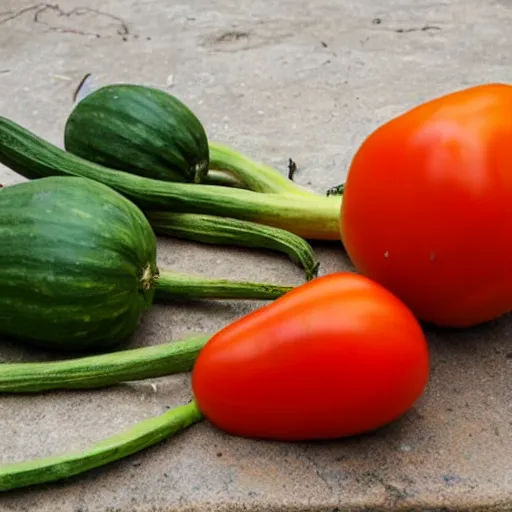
(337, 356)
(427, 207)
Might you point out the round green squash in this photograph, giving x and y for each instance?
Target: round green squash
(77, 264)
(139, 129)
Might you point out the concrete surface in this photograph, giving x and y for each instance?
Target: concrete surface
(290, 78)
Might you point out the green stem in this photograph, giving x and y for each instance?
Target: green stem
(102, 370)
(257, 176)
(222, 179)
(210, 229)
(171, 286)
(135, 439)
(308, 216)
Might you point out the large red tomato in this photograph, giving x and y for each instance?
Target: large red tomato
(427, 208)
(337, 356)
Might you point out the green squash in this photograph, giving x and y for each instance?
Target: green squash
(139, 129)
(77, 264)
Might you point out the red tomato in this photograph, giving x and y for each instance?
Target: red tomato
(427, 208)
(337, 356)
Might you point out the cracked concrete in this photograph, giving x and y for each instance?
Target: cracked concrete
(288, 80)
(54, 18)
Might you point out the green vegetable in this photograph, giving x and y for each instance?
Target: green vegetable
(223, 179)
(307, 215)
(140, 436)
(256, 176)
(174, 286)
(211, 229)
(135, 129)
(141, 130)
(102, 370)
(78, 266)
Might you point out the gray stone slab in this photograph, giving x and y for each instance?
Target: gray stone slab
(307, 80)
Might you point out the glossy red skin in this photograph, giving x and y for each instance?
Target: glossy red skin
(427, 208)
(335, 357)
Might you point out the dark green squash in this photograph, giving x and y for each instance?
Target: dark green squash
(77, 263)
(139, 129)
(78, 266)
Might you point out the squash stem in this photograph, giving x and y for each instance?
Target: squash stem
(222, 179)
(102, 370)
(257, 176)
(171, 286)
(210, 229)
(135, 439)
(307, 215)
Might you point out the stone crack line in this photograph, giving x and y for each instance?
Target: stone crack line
(43, 8)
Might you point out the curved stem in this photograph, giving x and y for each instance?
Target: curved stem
(257, 176)
(138, 437)
(104, 369)
(222, 179)
(210, 229)
(171, 286)
(307, 215)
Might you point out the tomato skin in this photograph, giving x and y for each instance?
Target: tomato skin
(335, 357)
(427, 208)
